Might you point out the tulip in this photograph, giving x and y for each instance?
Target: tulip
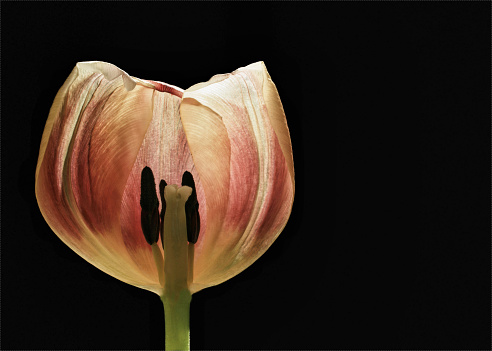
(169, 190)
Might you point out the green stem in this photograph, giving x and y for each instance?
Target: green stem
(177, 319)
(176, 297)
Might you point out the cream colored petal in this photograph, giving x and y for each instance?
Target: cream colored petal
(246, 169)
(276, 114)
(211, 154)
(91, 140)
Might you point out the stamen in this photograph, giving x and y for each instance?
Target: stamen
(191, 209)
(150, 207)
(162, 185)
(151, 225)
(159, 262)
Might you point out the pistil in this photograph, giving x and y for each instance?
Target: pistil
(174, 239)
(178, 223)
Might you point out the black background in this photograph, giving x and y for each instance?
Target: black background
(388, 105)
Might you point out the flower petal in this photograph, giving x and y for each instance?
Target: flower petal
(165, 150)
(240, 143)
(94, 131)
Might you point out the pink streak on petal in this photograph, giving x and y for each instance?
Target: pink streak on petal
(109, 133)
(167, 88)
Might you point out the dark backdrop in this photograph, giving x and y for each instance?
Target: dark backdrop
(388, 104)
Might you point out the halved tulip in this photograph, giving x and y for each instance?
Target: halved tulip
(209, 170)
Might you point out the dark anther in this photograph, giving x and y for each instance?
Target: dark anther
(162, 185)
(191, 209)
(150, 206)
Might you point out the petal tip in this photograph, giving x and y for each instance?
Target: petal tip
(109, 71)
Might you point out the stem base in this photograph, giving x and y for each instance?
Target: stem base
(177, 319)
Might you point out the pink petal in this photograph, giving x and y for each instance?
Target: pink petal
(92, 137)
(240, 143)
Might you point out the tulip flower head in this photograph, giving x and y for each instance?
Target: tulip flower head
(169, 190)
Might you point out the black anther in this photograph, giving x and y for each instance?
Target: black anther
(162, 185)
(150, 206)
(191, 209)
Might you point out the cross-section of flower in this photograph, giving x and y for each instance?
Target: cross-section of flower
(166, 189)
